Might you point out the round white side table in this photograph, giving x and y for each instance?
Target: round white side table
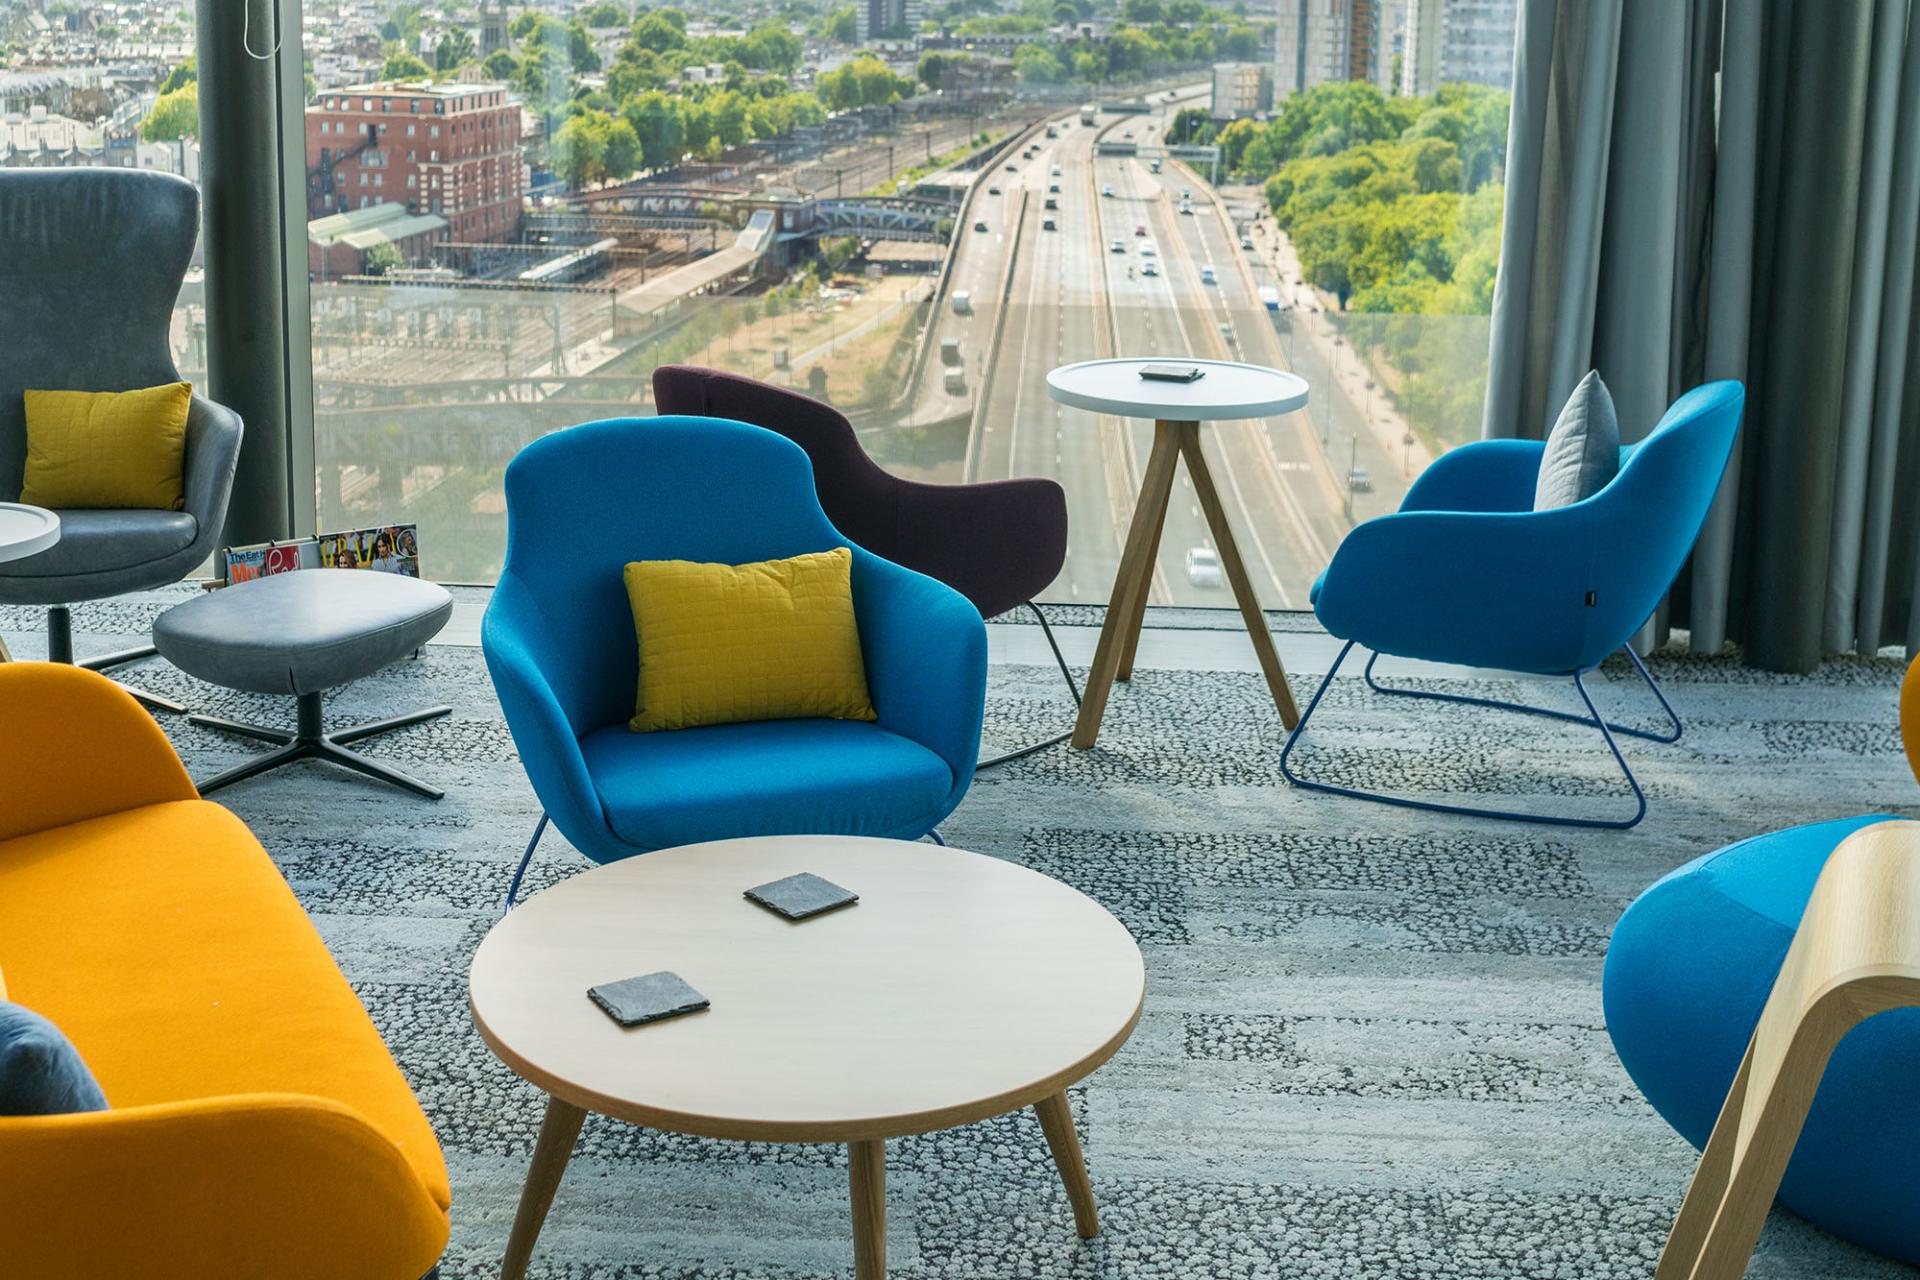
(1227, 391)
(24, 531)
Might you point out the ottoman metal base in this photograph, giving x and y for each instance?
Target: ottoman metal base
(311, 741)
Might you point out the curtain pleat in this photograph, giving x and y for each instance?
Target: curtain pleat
(1704, 189)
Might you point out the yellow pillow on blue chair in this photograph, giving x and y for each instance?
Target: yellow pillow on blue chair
(774, 640)
(122, 449)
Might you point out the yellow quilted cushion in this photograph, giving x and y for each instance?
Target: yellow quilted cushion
(776, 640)
(107, 448)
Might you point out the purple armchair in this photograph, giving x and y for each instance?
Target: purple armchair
(998, 543)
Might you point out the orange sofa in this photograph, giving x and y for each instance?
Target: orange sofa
(259, 1127)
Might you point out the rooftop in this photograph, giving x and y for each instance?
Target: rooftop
(376, 224)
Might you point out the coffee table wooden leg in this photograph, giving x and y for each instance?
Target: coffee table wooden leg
(1236, 571)
(5, 654)
(1056, 1121)
(550, 1154)
(867, 1171)
(1135, 574)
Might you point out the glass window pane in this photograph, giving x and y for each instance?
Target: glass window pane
(912, 215)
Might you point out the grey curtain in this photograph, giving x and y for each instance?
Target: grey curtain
(1702, 189)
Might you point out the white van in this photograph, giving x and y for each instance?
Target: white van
(1207, 276)
(962, 302)
(955, 381)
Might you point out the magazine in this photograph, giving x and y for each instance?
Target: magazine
(393, 548)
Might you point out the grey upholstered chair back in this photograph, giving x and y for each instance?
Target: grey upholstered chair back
(91, 262)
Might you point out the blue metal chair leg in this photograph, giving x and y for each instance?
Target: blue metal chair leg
(1647, 734)
(513, 889)
(1431, 806)
(937, 838)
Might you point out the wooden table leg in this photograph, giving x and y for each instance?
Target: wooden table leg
(1135, 575)
(1139, 616)
(1236, 571)
(5, 654)
(558, 1130)
(867, 1172)
(1056, 1121)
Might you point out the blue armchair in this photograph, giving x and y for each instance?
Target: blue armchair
(1466, 572)
(558, 639)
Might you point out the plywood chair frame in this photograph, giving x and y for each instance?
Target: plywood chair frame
(1856, 954)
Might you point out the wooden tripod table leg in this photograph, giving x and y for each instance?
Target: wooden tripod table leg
(550, 1154)
(1135, 575)
(867, 1172)
(1056, 1121)
(5, 654)
(1236, 571)
(1138, 618)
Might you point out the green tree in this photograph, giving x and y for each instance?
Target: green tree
(580, 148)
(657, 32)
(404, 66)
(1036, 64)
(501, 65)
(181, 76)
(455, 47)
(658, 127)
(1191, 125)
(607, 14)
(174, 115)
(1241, 43)
(842, 25)
(380, 259)
(935, 67)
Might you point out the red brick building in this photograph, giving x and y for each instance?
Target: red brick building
(451, 150)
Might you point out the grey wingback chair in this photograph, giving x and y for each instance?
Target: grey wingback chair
(91, 261)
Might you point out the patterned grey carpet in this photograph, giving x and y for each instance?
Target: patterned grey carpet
(1372, 1046)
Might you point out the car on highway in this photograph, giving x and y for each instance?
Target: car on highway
(950, 353)
(1186, 193)
(1056, 171)
(955, 381)
(1053, 131)
(1139, 228)
(1048, 224)
(962, 302)
(1126, 133)
(1358, 480)
(1148, 248)
(1246, 242)
(1118, 246)
(1054, 187)
(980, 226)
(1012, 168)
(993, 191)
(1052, 203)
(1203, 567)
(1150, 268)
(1186, 207)
(1106, 188)
(1207, 276)
(1153, 166)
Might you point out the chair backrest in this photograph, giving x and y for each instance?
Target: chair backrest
(583, 502)
(91, 262)
(1646, 520)
(855, 491)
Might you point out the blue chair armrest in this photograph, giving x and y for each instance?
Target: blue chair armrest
(1487, 475)
(925, 649)
(1483, 589)
(512, 637)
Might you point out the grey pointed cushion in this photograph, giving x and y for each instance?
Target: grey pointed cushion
(41, 1073)
(301, 632)
(1583, 449)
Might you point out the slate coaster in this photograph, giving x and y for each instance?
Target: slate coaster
(802, 896)
(647, 998)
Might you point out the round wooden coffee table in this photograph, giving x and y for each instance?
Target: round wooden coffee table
(960, 987)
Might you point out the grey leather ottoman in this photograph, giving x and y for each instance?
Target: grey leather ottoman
(303, 633)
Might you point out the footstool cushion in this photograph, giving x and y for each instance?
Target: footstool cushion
(1689, 968)
(301, 632)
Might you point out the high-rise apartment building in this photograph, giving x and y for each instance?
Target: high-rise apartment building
(451, 149)
(1449, 41)
(1241, 89)
(1317, 41)
(876, 18)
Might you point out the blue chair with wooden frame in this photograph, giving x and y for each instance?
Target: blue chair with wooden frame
(1466, 572)
(559, 643)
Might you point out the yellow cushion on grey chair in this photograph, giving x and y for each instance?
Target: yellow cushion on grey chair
(301, 632)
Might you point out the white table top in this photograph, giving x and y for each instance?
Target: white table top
(1229, 390)
(26, 531)
(959, 987)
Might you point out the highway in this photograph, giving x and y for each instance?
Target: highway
(1074, 297)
